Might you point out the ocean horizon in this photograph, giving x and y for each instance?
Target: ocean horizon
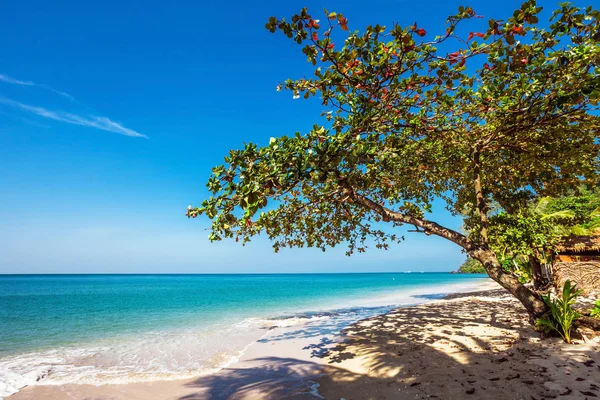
(119, 328)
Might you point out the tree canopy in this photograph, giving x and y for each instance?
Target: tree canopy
(508, 116)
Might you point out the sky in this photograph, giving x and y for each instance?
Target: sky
(112, 114)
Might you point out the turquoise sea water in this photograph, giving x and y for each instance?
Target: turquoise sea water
(109, 328)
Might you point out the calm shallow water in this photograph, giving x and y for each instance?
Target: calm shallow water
(118, 328)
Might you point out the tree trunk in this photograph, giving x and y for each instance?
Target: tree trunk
(530, 300)
(539, 282)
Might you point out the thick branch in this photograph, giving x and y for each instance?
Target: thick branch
(428, 226)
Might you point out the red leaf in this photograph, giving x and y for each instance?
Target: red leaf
(524, 60)
(421, 32)
(478, 34)
(343, 23)
(487, 66)
(315, 36)
(330, 46)
(518, 30)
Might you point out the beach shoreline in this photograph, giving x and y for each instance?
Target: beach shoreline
(302, 345)
(476, 344)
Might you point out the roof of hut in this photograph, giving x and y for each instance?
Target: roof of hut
(580, 244)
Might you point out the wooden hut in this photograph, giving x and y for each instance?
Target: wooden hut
(578, 260)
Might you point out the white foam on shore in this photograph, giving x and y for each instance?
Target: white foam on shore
(185, 353)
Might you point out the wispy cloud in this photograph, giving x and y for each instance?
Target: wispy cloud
(13, 81)
(92, 121)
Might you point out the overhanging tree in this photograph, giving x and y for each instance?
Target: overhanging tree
(507, 116)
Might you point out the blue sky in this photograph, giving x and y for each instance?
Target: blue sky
(112, 114)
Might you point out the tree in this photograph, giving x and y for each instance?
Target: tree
(527, 237)
(506, 117)
(471, 266)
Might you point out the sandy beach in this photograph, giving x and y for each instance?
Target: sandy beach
(472, 345)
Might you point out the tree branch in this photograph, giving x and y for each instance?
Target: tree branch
(428, 226)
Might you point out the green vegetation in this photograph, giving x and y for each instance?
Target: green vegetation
(524, 237)
(471, 266)
(506, 117)
(595, 313)
(561, 316)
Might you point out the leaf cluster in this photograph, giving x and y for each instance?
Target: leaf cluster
(595, 313)
(561, 316)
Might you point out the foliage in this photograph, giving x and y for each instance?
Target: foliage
(562, 315)
(595, 313)
(406, 122)
(535, 228)
(522, 233)
(577, 213)
(581, 205)
(519, 266)
(471, 266)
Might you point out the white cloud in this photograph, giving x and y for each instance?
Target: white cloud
(13, 81)
(92, 121)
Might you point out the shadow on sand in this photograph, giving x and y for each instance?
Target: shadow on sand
(475, 349)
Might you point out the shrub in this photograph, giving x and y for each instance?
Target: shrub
(596, 310)
(561, 316)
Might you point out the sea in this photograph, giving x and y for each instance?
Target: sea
(101, 329)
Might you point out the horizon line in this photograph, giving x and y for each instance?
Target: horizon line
(234, 273)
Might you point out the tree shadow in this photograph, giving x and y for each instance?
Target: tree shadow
(468, 350)
(327, 323)
(271, 378)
